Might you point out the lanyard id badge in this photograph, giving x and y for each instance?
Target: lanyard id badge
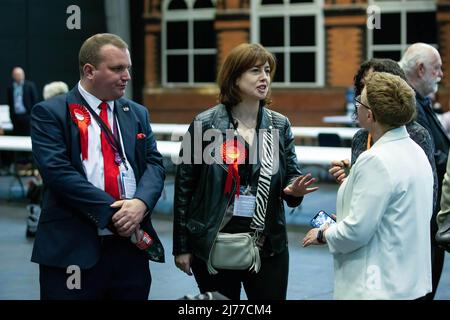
(244, 205)
(127, 183)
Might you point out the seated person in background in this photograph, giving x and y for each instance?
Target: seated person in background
(381, 241)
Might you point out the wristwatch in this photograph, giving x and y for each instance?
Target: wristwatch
(320, 236)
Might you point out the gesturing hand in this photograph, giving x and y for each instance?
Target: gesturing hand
(299, 187)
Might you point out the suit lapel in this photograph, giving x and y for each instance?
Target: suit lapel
(437, 122)
(74, 97)
(428, 109)
(127, 122)
(128, 130)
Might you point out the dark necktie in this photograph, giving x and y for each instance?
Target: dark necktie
(110, 168)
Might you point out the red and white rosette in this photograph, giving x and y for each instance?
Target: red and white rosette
(233, 153)
(82, 118)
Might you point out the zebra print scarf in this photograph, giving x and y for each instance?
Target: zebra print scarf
(265, 176)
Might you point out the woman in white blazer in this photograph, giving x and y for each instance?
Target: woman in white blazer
(381, 241)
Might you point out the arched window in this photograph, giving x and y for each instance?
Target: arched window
(177, 5)
(189, 44)
(263, 2)
(203, 4)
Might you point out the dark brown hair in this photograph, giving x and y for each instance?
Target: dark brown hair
(240, 59)
(378, 65)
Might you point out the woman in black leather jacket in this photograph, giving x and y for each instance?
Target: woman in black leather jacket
(211, 192)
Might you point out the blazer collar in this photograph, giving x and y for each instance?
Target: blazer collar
(221, 120)
(128, 127)
(74, 97)
(393, 134)
(125, 116)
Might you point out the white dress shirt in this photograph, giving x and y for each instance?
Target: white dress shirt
(93, 165)
(381, 243)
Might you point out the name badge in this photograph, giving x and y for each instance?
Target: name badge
(244, 206)
(127, 184)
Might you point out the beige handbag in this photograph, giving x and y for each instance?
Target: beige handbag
(235, 251)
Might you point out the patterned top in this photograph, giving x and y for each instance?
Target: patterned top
(417, 133)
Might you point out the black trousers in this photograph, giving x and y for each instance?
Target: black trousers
(437, 261)
(122, 273)
(270, 283)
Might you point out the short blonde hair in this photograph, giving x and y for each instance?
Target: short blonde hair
(54, 88)
(391, 99)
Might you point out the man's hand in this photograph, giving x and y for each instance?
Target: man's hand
(183, 262)
(130, 214)
(337, 169)
(299, 187)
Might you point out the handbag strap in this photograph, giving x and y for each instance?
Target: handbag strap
(265, 177)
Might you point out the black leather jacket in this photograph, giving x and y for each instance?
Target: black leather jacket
(200, 202)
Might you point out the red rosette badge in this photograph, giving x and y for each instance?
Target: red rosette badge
(233, 153)
(82, 118)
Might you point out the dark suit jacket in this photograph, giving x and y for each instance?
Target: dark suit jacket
(428, 119)
(73, 208)
(30, 97)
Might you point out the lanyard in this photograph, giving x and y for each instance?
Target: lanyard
(369, 142)
(112, 138)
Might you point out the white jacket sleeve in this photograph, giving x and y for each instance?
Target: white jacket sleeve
(371, 193)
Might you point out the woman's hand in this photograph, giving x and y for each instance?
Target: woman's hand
(183, 262)
(311, 236)
(299, 187)
(338, 169)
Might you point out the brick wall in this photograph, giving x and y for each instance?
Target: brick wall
(302, 107)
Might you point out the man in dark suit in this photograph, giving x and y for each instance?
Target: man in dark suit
(102, 177)
(423, 68)
(22, 96)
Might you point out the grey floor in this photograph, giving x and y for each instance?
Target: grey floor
(310, 274)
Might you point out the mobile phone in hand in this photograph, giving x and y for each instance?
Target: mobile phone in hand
(320, 218)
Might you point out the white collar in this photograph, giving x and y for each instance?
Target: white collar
(393, 134)
(92, 100)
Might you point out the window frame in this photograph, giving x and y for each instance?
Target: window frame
(189, 15)
(287, 10)
(403, 7)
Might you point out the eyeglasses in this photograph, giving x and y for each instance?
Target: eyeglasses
(358, 103)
